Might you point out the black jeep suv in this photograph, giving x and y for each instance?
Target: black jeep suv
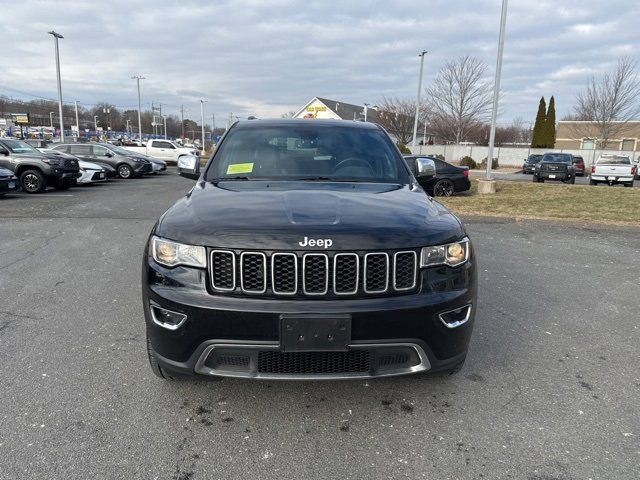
(34, 170)
(307, 249)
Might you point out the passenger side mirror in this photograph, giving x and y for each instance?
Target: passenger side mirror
(3, 151)
(425, 167)
(108, 154)
(189, 166)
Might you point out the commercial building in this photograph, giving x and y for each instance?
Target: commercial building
(319, 107)
(584, 135)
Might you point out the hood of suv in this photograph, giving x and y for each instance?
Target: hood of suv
(279, 215)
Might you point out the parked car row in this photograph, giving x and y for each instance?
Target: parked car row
(65, 165)
(609, 169)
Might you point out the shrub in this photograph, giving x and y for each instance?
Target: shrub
(494, 163)
(403, 149)
(467, 161)
(438, 156)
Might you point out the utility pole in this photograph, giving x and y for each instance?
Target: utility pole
(496, 93)
(415, 121)
(138, 78)
(202, 121)
(164, 120)
(51, 118)
(95, 124)
(56, 36)
(128, 131)
(182, 119)
(366, 109)
(77, 121)
(213, 124)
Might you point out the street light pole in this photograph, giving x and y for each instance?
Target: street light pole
(51, 118)
(138, 78)
(415, 121)
(164, 120)
(56, 36)
(366, 109)
(77, 121)
(202, 121)
(496, 89)
(95, 124)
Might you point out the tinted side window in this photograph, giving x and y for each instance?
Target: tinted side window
(100, 151)
(162, 145)
(80, 150)
(61, 148)
(411, 162)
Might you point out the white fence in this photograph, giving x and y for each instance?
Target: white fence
(508, 156)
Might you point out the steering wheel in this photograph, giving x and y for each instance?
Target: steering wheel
(353, 161)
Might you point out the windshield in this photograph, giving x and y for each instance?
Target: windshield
(308, 152)
(613, 161)
(557, 157)
(18, 146)
(534, 158)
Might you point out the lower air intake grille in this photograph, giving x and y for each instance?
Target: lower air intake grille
(355, 361)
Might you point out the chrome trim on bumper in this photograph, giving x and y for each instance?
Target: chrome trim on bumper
(202, 369)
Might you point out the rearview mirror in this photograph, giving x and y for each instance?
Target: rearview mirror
(189, 166)
(425, 167)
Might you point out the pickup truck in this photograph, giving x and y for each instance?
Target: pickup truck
(164, 150)
(613, 169)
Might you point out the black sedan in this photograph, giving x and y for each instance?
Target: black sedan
(529, 165)
(8, 182)
(448, 179)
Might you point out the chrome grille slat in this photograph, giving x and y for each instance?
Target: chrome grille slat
(344, 272)
(376, 272)
(313, 274)
(253, 272)
(223, 268)
(286, 282)
(404, 270)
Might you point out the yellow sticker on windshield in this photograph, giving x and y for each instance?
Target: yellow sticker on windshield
(240, 168)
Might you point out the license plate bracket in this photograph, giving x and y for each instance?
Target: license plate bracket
(312, 332)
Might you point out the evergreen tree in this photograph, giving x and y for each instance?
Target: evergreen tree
(537, 139)
(550, 125)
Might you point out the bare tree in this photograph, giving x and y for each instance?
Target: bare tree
(608, 103)
(289, 114)
(460, 98)
(396, 116)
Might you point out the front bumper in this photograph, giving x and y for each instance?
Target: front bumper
(405, 327)
(553, 175)
(9, 184)
(142, 168)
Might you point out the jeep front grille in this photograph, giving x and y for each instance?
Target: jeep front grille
(313, 274)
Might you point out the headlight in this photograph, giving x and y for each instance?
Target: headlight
(51, 161)
(452, 254)
(171, 254)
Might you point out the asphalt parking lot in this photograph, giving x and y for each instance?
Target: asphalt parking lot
(550, 390)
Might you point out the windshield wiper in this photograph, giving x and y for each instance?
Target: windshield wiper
(224, 179)
(315, 179)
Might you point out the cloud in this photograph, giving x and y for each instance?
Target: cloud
(266, 58)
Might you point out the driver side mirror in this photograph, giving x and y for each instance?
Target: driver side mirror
(4, 151)
(108, 154)
(425, 167)
(189, 166)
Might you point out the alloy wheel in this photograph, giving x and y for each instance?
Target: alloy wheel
(444, 188)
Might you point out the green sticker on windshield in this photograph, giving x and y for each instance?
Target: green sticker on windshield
(240, 168)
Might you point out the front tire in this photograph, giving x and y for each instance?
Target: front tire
(33, 181)
(443, 188)
(537, 179)
(125, 171)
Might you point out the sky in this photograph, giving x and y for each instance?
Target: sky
(266, 58)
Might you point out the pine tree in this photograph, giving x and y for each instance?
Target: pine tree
(550, 125)
(537, 139)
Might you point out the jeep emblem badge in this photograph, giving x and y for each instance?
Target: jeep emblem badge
(316, 242)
